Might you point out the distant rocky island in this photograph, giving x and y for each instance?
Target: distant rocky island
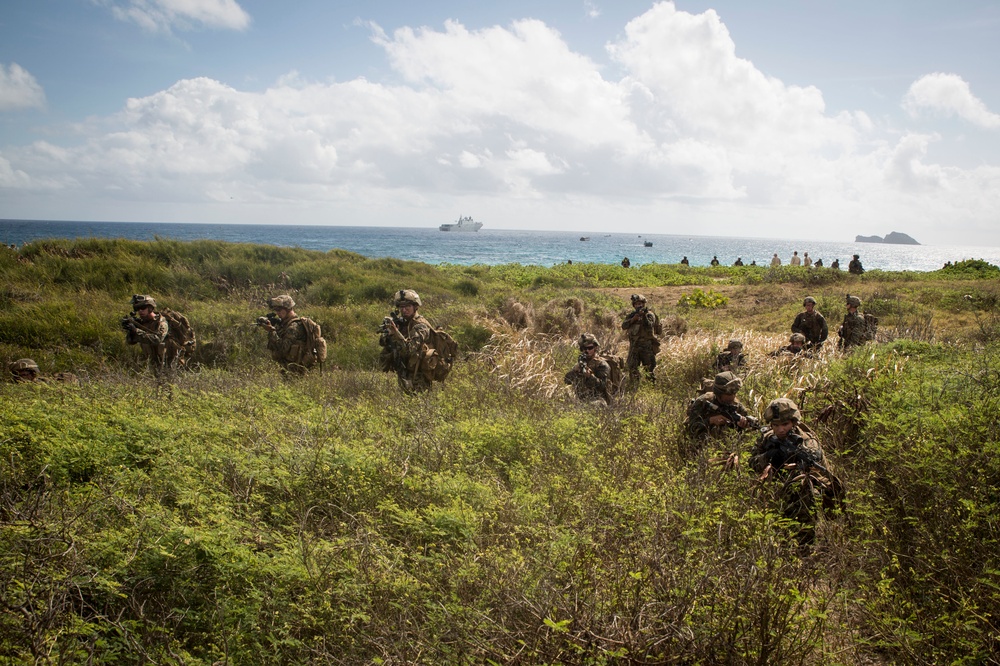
(894, 237)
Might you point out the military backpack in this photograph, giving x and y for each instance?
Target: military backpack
(871, 326)
(439, 355)
(179, 331)
(314, 350)
(616, 378)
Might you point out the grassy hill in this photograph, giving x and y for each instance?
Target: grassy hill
(229, 516)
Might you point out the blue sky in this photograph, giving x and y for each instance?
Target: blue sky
(795, 119)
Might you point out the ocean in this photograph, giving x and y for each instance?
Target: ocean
(504, 246)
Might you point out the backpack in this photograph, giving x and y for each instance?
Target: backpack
(439, 356)
(616, 378)
(871, 326)
(179, 330)
(315, 348)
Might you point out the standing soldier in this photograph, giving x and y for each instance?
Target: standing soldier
(288, 337)
(591, 375)
(643, 326)
(717, 409)
(148, 329)
(403, 342)
(852, 331)
(811, 324)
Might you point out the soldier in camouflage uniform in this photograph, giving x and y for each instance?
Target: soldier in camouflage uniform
(796, 345)
(811, 324)
(855, 267)
(714, 411)
(288, 338)
(404, 342)
(24, 370)
(591, 375)
(790, 453)
(732, 359)
(852, 331)
(149, 330)
(642, 326)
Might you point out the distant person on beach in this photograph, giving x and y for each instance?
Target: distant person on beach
(811, 324)
(855, 267)
(642, 326)
(591, 376)
(732, 359)
(753, 262)
(626, 263)
(796, 261)
(775, 261)
(684, 261)
(738, 262)
(819, 263)
(807, 260)
(715, 261)
(835, 264)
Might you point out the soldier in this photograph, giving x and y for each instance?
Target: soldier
(684, 261)
(642, 326)
(795, 346)
(591, 375)
(855, 267)
(835, 264)
(732, 359)
(404, 342)
(24, 370)
(789, 445)
(149, 330)
(710, 413)
(287, 337)
(811, 324)
(738, 262)
(775, 260)
(715, 261)
(626, 263)
(852, 331)
(819, 263)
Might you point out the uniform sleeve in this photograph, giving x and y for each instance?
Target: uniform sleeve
(420, 333)
(824, 329)
(697, 417)
(797, 326)
(280, 343)
(154, 338)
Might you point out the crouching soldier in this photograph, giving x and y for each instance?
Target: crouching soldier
(732, 359)
(716, 410)
(790, 453)
(295, 342)
(405, 336)
(24, 371)
(148, 329)
(591, 376)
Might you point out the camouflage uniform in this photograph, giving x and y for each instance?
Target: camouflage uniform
(792, 348)
(852, 331)
(595, 385)
(151, 335)
(733, 359)
(812, 325)
(642, 326)
(403, 348)
(855, 267)
(288, 340)
(707, 405)
(24, 370)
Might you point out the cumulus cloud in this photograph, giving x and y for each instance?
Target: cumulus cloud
(512, 114)
(948, 95)
(165, 15)
(19, 89)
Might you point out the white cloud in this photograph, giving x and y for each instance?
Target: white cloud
(19, 89)
(165, 15)
(948, 95)
(690, 136)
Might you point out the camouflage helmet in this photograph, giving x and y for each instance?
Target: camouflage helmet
(726, 383)
(734, 345)
(638, 298)
(141, 300)
(853, 301)
(406, 297)
(21, 365)
(782, 409)
(588, 339)
(798, 337)
(284, 302)
(807, 300)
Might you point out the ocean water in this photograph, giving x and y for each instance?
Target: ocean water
(503, 246)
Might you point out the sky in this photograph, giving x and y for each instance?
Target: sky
(794, 119)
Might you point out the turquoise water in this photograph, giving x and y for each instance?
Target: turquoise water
(502, 246)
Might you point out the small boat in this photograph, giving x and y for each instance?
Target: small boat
(647, 243)
(463, 224)
(583, 238)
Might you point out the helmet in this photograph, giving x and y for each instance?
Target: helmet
(734, 344)
(798, 337)
(284, 302)
(22, 364)
(782, 409)
(139, 300)
(638, 298)
(808, 299)
(853, 300)
(406, 297)
(726, 383)
(588, 339)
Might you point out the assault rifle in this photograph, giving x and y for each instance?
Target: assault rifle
(581, 364)
(129, 321)
(270, 318)
(731, 413)
(386, 339)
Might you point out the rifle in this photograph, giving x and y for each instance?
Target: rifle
(387, 339)
(270, 318)
(731, 413)
(129, 321)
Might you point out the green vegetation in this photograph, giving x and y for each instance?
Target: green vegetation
(231, 516)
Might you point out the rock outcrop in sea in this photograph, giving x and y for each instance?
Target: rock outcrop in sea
(896, 237)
